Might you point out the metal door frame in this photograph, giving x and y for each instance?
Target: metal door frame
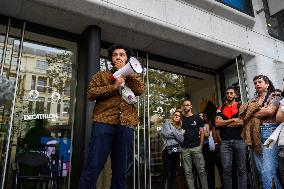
(8, 145)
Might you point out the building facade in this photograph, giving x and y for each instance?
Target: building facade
(49, 49)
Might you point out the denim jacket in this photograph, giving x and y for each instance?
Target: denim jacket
(171, 135)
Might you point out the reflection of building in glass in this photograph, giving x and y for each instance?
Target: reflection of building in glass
(38, 91)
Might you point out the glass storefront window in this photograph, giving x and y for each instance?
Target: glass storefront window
(42, 113)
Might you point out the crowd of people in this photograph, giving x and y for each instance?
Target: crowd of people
(256, 126)
(194, 141)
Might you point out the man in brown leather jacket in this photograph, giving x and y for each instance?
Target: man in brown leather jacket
(113, 122)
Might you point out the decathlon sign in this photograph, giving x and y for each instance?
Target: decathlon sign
(40, 116)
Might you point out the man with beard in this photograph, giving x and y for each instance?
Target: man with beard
(192, 146)
(232, 144)
(113, 122)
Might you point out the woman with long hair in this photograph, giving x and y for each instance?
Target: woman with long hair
(266, 160)
(172, 134)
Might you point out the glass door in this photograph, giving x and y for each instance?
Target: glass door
(235, 75)
(8, 75)
(165, 89)
(41, 73)
(164, 92)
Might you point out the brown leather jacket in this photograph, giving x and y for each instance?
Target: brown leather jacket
(110, 107)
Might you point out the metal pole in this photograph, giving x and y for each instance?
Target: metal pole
(14, 101)
(5, 46)
(148, 123)
(245, 79)
(239, 79)
(138, 149)
(134, 143)
(144, 134)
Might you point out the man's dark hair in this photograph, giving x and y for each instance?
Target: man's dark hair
(231, 87)
(277, 90)
(128, 51)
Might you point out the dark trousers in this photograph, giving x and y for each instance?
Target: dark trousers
(210, 160)
(170, 162)
(106, 138)
(236, 148)
(281, 166)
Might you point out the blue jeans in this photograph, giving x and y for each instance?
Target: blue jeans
(228, 149)
(106, 138)
(267, 161)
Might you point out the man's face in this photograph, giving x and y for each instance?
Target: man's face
(230, 95)
(187, 106)
(119, 58)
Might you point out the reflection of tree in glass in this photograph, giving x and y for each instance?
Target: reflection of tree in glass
(166, 90)
(60, 70)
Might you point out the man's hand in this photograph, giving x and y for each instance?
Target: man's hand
(183, 131)
(119, 81)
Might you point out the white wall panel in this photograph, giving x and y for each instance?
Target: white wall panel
(262, 45)
(280, 50)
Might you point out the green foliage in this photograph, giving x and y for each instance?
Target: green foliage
(166, 90)
(60, 70)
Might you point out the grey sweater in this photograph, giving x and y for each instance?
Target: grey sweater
(171, 135)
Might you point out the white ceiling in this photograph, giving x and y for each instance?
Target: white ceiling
(72, 22)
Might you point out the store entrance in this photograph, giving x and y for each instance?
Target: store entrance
(37, 84)
(166, 86)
